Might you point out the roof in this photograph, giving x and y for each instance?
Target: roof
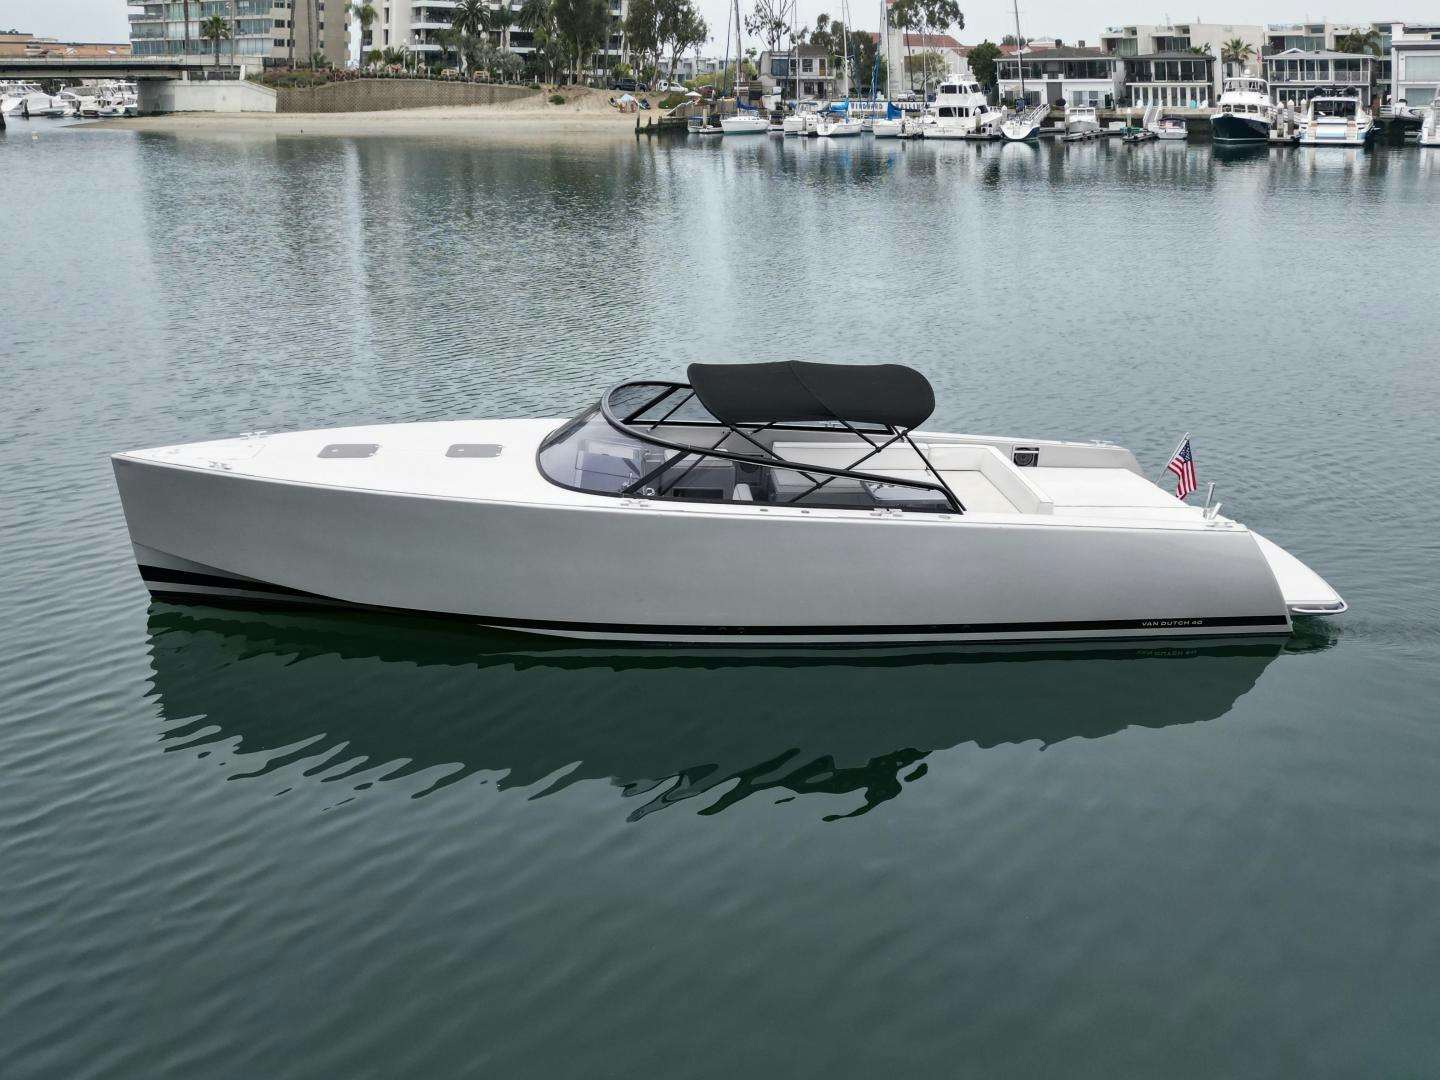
(792, 390)
(935, 41)
(1173, 55)
(1068, 52)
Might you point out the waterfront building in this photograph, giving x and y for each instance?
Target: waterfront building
(417, 26)
(265, 33)
(1295, 73)
(1072, 76)
(1177, 80)
(695, 65)
(1414, 58)
(1141, 40)
(820, 78)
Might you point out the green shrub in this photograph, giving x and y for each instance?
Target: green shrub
(671, 100)
(557, 99)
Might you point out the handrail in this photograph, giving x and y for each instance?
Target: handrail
(772, 462)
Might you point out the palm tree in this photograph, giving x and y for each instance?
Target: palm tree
(538, 16)
(214, 31)
(1237, 51)
(367, 15)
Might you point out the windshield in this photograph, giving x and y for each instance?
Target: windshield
(590, 454)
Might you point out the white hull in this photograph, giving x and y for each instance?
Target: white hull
(271, 520)
(840, 129)
(888, 129)
(1019, 130)
(744, 125)
(1325, 133)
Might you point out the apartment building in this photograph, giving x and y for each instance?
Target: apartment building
(1155, 41)
(264, 33)
(1295, 74)
(1074, 76)
(1414, 62)
(417, 26)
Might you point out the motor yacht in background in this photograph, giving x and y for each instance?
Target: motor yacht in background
(1336, 116)
(804, 120)
(1430, 125)
(1081, 122)
(1244, 113)
(778, 503)
(1172, 128)
(959, 109)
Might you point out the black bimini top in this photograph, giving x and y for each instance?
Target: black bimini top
(793, 390)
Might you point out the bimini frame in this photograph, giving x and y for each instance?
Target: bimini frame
(633, 425)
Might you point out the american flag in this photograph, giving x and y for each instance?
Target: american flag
(1183, 466)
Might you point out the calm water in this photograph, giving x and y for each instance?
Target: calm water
(257, 845)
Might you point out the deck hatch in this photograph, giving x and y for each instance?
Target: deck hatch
(474, 450)
(349, 450)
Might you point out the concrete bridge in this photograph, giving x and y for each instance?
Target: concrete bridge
(36, 68)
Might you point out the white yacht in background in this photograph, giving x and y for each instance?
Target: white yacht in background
(1081, 121)
(760, 504)
(1430, 125)
(1244, 112)
(960, 108)
(745, 122)
(804, 120)
(1336, 116)
(838, 126)
(1171, 127)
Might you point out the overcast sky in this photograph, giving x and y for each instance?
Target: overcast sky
(104, 20)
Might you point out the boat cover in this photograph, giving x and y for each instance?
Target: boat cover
(794, 390)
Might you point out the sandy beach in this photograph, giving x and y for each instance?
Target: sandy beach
(585, 112)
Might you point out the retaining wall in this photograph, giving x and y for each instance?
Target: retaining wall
(382, 95)
(178, 95)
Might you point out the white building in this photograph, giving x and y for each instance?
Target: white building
(1146, 39)
(1415, 64)
(1075, 76)
(264, 33)
(415, 25)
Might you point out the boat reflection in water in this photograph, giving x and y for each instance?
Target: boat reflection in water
(364, 700)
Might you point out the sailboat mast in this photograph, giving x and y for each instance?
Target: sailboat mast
(1020, 54)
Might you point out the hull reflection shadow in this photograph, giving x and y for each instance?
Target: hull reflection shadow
(364, 700)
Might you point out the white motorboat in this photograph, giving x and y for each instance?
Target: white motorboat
(1430, 125)
(784, 503)
(13, 95)
(804, 120)
(1081, 122)
(1336, 116)
(745, 122)
(1171, 127)
(1244, 113)
(960, 109)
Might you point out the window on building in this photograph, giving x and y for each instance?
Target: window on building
(806, 64)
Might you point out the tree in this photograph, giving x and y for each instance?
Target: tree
(1359, 41)
(932, 17)
(1236, 51)
(869, 64)
(467, 20)
(767, 22)
(366, 15)
(580, 25)
(928, 65)
(982, 63)
(214, 31)
(1202, 50)
(681, 28)
(1011, 39)
(642, 30)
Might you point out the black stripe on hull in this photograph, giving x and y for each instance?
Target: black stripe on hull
(1229, 128)
(169, 584)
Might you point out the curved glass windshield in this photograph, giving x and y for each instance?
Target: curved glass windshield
(590, 454)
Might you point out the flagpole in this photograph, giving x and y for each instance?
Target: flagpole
(1171, 458)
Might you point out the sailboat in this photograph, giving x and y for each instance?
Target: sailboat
(747, 120)
(1025, 124)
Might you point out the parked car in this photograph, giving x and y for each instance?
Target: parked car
(664, 86)
(631, 85)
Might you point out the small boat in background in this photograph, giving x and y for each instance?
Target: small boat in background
(1025, 125)
(1430, 126)
(745, 122)
(1081, 122)
(1172, 127)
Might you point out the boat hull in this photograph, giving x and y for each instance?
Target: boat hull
(637, 571)
(1231, 128)
(744, 125)
(1336, 134)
